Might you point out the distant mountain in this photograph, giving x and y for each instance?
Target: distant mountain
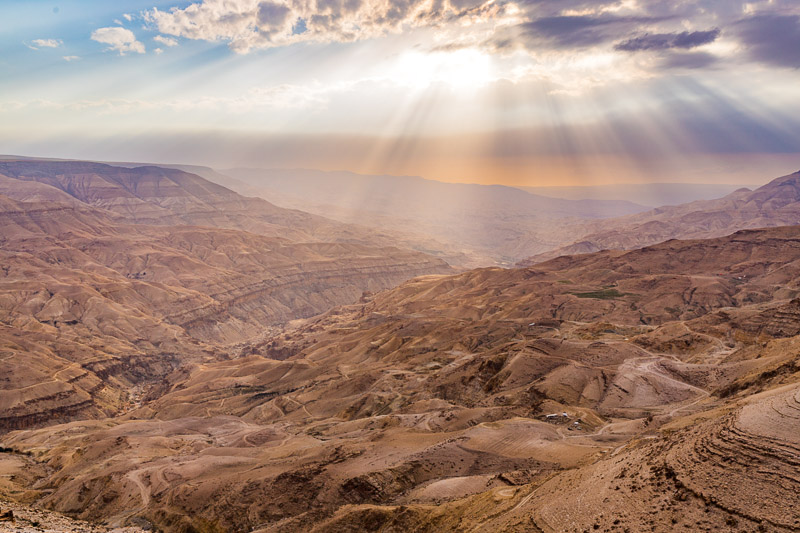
(165, 196)
(775, 204)
(394, 194)
(649, 194)
(493, 224)
(208, 201)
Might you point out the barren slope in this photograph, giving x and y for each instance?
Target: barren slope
(166, 196)
(90, 307)
(670, 373)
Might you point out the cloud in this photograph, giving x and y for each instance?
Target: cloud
(665, 41)
(770, 34)
(118, 39)
(248, 24)
(271, 97)
(570, 32)
(167, 41)
(687, 60)
(582, 31)
(127, 17)
(44, 43)
(158, 51)
(71, 58)
(771, 38)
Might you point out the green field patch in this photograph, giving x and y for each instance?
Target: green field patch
(603, 294)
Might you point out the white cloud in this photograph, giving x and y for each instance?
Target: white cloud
(158, 51)
(117, 21)
(163, 39)
(127, 17)
(45, 43)
(71, 58)
(118, 39)
(248, 24)
(275, 97)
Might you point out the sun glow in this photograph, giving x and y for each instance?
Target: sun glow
(463, 70)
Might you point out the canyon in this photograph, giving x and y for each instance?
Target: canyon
(95, 302)
(399, 266)
(641, 390)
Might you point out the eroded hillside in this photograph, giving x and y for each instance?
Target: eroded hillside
(646, 390)
(92, 309)
(166, 196)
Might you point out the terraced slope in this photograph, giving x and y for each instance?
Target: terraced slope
(735, 471)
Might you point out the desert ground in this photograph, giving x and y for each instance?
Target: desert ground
(654, 389)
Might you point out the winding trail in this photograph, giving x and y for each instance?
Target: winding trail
(144, 491)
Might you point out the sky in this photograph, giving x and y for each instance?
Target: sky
(519, 92)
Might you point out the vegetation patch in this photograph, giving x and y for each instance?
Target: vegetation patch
(603, 294)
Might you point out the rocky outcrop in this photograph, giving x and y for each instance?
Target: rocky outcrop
(751, 455)
(738, 471)
(779, 321)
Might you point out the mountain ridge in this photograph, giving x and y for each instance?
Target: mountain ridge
(156, 195)
(776, 203)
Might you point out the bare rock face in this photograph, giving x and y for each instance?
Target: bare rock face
(775, 204)
(20, 518)
(779, 321)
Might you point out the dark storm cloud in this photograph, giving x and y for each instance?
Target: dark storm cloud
(271, 17)
(665, 41)
(548, 8)
(771, 38)
(272, 13)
